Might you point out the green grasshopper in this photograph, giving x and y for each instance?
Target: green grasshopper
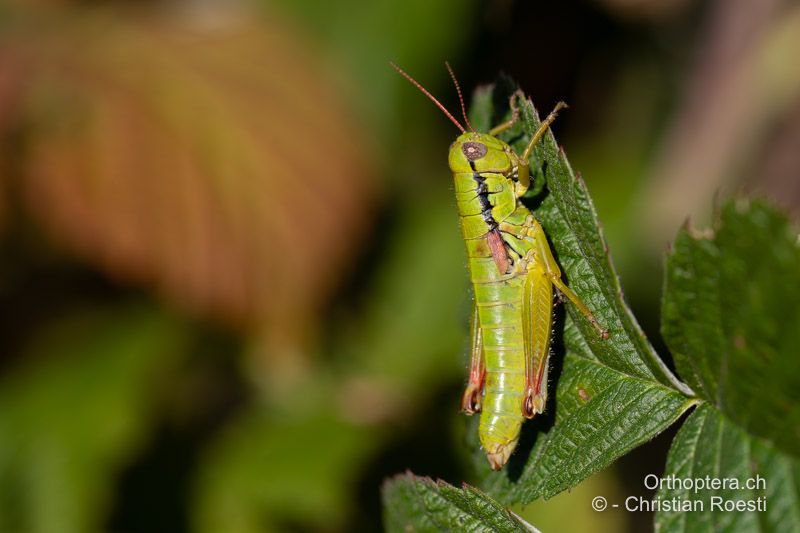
(512, 271)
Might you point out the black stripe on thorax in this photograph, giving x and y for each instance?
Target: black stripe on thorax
(483, 197)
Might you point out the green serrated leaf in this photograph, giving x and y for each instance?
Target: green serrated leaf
(632, 395)
(731, 316)
(599, 417)
(709, 448)
(568, 216)
(417, 504)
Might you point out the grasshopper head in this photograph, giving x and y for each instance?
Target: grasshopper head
(479, 152)
(472, 151)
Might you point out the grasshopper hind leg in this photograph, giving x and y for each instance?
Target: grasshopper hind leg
(552, 271)
(537, 301)
(473, 395)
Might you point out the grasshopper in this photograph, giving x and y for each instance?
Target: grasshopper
(513, 275)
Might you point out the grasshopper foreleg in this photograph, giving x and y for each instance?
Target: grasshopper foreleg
(512, 103)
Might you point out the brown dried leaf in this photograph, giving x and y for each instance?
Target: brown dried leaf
(213, 161)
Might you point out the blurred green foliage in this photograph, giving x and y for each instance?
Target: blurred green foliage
(269, 466)
(77, 411)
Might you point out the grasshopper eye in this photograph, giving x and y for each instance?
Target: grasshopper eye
(474, 150)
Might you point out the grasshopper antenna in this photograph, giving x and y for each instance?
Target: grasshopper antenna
(460, 98)
(416, 84)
